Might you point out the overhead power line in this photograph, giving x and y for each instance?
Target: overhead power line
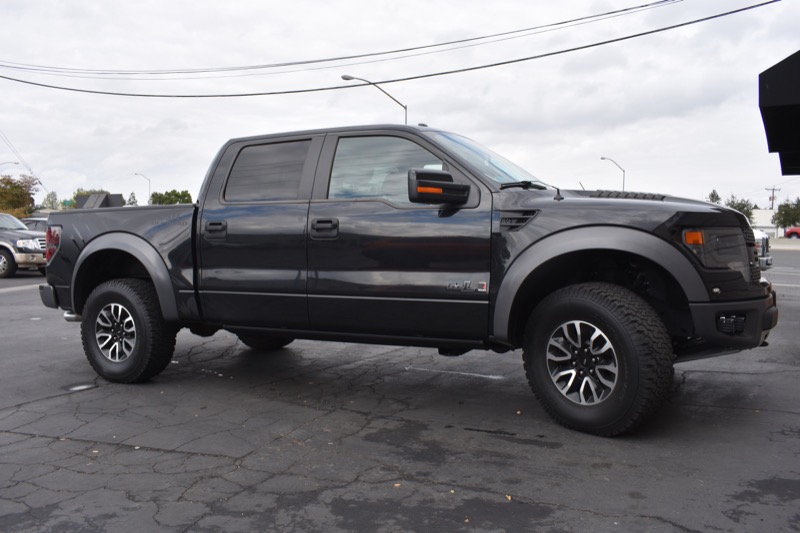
(14, 151)
(77, 72)
(407, 78)
(21, 159)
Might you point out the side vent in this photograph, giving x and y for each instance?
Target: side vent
(514, 220)
(628, 195)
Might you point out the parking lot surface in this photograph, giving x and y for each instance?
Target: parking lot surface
(343, 437)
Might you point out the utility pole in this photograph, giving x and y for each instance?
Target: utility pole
(772, 197)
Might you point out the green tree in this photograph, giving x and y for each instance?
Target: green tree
(714, 197)
(16, 195)
(132, 199)
(51, 201)
(742, 205)
(171, 197)
(788, 214)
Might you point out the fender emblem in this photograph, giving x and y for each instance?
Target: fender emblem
(466, 286)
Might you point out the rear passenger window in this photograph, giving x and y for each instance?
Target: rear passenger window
(267, 172)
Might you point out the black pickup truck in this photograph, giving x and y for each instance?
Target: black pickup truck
(414, 236)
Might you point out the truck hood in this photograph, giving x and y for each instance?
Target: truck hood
(561, 210)
(626, 201)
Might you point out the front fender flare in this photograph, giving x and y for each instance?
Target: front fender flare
(145, 254)
(613, 238)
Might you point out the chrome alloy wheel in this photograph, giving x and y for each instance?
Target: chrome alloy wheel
(3, 264)
(582, 362)
(115, 332)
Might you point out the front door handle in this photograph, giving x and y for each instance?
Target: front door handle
(324, 228)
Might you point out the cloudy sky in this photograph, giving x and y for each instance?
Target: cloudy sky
(677, 109)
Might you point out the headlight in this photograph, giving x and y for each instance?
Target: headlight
(28, 244)
(719, 248)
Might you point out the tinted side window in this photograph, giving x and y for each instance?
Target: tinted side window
(377, 167)
(267, 172)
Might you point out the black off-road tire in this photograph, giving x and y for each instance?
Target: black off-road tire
(263, 343)
(8, 267)
(124, 334)
(614, 348)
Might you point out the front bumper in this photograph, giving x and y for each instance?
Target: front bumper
(30, 259)
(735, 325)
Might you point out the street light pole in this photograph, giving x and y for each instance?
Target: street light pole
(148, 185)
(9, 163)
(347, 77)
(619, 167)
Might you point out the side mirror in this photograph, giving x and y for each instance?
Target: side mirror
(435, 187)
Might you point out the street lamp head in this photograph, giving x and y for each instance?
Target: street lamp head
(603, 158)
(348, 77)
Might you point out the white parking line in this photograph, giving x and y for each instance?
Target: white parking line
(469, 374)
(786, 285)
(19, 289)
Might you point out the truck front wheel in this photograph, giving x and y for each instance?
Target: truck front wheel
(598, 358)
(124, 335)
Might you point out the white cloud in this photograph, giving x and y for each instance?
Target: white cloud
(679, 110)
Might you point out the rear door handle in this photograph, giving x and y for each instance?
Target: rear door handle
(324, 228)
(216, 229)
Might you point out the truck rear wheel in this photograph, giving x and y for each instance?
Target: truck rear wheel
(598, 358)
(124, 335)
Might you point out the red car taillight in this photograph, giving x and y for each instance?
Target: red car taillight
(53, 242)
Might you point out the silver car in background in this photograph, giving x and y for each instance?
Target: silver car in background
(20, 248)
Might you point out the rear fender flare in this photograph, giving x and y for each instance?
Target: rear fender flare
(145, 254)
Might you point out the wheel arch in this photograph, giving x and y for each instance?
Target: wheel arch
(566, 257)
(122, 255)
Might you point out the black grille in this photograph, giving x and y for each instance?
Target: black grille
(514, 220)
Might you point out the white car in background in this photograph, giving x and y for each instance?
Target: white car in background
(762, 245)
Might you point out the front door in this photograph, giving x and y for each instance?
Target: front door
(379, 264)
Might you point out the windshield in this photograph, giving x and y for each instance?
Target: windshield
(10, 222)
(490, 164)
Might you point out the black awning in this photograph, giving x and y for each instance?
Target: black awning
(779, 101)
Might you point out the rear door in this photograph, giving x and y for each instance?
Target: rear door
(252, 234)
(380, 265)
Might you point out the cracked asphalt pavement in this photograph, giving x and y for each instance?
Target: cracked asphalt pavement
(335, 437)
